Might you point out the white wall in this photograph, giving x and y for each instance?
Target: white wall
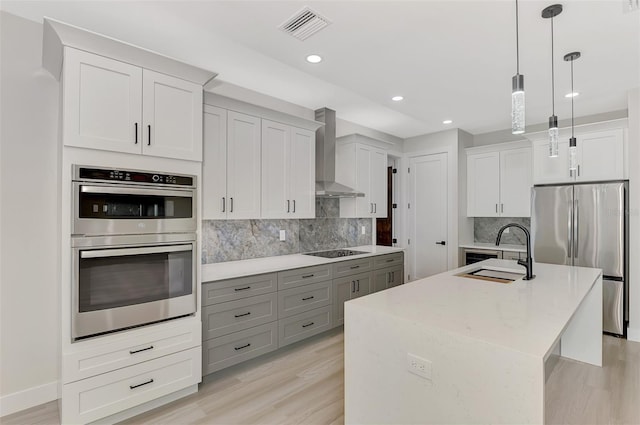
(465, 224)
(634, 217)
(28, 218)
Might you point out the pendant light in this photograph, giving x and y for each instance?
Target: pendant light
(550, 13)
(517, 90)
(573, 160)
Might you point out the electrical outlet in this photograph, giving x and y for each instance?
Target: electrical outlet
(364, 230)
(283, 236)
(419, 366)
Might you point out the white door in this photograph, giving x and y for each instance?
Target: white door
(214, 165)
(600, 156)
(302, 181)
(379, 183)
(102, 103)
(483, 184)
(515, 183)
(275, 170)
(551, 170)
(428, 224)
(243, 166)
(172, 117)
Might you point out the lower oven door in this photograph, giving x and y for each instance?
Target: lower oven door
(121, 287)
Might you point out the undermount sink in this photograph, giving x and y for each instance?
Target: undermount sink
(499, 276)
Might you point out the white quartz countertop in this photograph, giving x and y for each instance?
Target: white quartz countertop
(492, 246)
(233, 269)
(527, 316)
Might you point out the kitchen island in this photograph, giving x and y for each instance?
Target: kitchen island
(452, 349)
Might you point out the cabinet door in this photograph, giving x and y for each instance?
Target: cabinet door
(397, 275)
(483, 184)
(243, 166)
(378, 183)
(364, 205)
(342, 289)
(551, 170)
(363, 285)
(172, 116)
(515, 183)
(381, 280)
(302, 178)
(102, 103)
(600, 156)
(275, 200)
(214, 166)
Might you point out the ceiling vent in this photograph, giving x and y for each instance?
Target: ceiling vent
(304, 24)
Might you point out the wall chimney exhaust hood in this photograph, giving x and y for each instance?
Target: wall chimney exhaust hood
(326, 185)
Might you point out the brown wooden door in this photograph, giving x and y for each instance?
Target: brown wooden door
(384, 226)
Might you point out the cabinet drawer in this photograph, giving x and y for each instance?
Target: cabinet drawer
(388, 260)
(233, 316)
(237, 347)
(126, 350)
(235, 289)
(304, 276)
(346, 268)
(103, 395)
(304, 325)
(303, 298)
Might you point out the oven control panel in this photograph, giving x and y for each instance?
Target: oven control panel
(86, 173)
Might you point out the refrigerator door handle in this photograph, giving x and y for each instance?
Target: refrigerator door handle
(576, 229)
(569, 230)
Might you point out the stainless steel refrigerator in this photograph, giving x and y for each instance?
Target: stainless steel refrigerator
(587, 225)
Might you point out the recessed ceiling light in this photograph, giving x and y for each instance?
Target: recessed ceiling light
(447, 122)
(314, 59)
(574, 94)
(397, 98)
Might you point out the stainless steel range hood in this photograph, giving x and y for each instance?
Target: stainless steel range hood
(326, 185)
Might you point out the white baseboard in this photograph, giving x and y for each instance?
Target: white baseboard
(633, 334)
(31, 397)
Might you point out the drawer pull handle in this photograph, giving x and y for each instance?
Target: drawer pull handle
(242, 347)
(307, 275)
(242, 289)
(243, 314)
(142, 349)
(354, 267)
(308, 324)
(133, 387)
(308, 298)
(389, 260)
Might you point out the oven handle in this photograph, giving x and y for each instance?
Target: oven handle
(119, 252)
(136, 191)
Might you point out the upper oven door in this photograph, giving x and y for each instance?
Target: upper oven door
(117, 209)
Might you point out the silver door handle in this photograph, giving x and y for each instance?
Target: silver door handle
(294, 205)
(569, 230)
(224, 206)
(288, 205)
(576, 227)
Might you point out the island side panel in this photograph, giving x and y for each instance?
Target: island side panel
(582, 339)
(471, 381)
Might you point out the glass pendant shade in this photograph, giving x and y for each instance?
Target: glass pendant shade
(553, 136)
(517, 104)
(573, 154)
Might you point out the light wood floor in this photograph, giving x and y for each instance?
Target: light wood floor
(303, 384)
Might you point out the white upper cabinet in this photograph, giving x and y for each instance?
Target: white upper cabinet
(499, 182)
(363, 168)
(214, 167)
(288, 171)
(115, 106)
(600, 156)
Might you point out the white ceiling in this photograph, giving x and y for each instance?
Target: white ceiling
(449, 59)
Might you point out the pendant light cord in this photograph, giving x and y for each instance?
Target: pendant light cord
(553, 88)
(517, 43)
(572, 92)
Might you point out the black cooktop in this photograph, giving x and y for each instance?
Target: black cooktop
(336, 253)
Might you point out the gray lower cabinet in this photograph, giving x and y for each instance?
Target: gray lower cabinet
(304, 325)
(225, 318)
(349, 267)
(298, 300)
(387, 278)
(235, 289)
(388, 260)
(348, 288)
(228, 350)
(304, 276)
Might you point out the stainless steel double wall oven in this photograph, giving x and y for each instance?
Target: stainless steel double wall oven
(134, 249)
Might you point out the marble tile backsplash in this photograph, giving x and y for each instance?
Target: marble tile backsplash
(485, 229)
(230, 240)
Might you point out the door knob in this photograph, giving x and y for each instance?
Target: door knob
(441, 243)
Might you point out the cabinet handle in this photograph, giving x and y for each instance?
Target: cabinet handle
(501, 208)
(140, 350)
(496, 208)
(353, 286)
(231, 199)
(393, 277)
(150, 381)
(308, 324)
(242, 289)
(224, 206)
(354, 267)
(243, 314)
(288, 205)
(389, 260)
(358, 283)
(578, 170)
(294, 205)
(305, 276)
(375, 208)
(149, 128)
(308, 298)
(136, 124)
(243, 346)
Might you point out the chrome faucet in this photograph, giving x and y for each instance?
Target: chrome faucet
(528, 263)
